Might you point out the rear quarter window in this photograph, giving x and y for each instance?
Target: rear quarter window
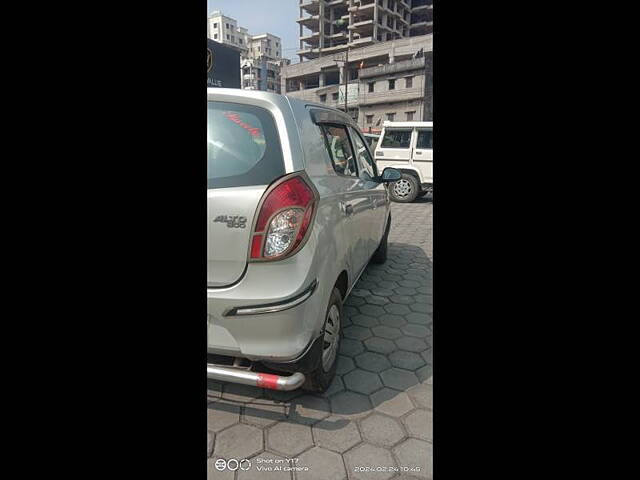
(396, 139)
(243, 146)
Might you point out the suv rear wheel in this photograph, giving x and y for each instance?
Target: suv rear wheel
(405, 190)
(320, 379)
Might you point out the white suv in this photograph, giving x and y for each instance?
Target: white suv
(408, 147)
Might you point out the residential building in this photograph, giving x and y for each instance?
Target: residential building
(260, 55)
(386, 81)
(331, 26)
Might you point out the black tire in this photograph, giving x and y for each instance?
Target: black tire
(404, 190)
(380, 255)
(320, 379)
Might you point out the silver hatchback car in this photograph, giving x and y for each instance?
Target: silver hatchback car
(296, 209)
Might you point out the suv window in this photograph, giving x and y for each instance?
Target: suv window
(337, 142)
(243, 147)
(396, 139)
(367, 167)
(425, 139)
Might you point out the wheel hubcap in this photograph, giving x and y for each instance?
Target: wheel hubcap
(331, 338)
(402, 188)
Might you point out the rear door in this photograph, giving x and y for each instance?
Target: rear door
(244, 156)
(395, 147)
(423, 155)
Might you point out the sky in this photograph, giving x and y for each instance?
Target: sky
(277, 17)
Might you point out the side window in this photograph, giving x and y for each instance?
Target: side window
(396, 139)
(340, 151)
(425, 139)
(365, 162)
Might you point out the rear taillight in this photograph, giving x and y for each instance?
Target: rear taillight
(284, 219)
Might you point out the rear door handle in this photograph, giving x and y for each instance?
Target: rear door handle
(348, 209)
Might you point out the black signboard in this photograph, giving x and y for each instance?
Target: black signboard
(223, 65)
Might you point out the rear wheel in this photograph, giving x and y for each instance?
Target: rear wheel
(320, 379)
(404, 190)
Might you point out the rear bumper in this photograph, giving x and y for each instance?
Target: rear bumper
(272, 315)
(260, 380)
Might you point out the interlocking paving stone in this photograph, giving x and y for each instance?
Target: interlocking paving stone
(365, 321)
(322, 464)
(360, 292)
(372, 310)
(236, 392)
(422, 395)
(402, 299)
(221, 415)
(373, 362)
(309, 409)
(289, 439)
(361, 381)
(336, 386)
(399, 379)
(406, 360)
(414, 330)
(427, 355)
(405, 291)
(239, 441)
(345, 365)
(391, 402)
(418, 424)
(412, 344)
(425, 373)
(421, 307)
(356, 332)
(367, 455)
(397, 309)
(377, 300)
(416, 453)
(336, 433)
(391, 320)
(350, 404)
(419, 318)
(390, 333)
(263, 459)
(383, 292)
(380, 345)
(381, 430)
(262, 415)
(355, 301)
(351, 347)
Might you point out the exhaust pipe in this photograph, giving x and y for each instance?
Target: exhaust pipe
(260, 380)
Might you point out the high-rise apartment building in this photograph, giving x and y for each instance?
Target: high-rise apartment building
(260, 55)
(332, 26)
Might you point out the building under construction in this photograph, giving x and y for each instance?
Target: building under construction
(331, 26)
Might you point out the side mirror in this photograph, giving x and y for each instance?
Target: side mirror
(390, 175)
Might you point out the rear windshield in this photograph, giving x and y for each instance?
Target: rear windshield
(396, 139)
(243, 147)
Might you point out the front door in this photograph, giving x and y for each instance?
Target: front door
(354, 198)
(377, 216)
